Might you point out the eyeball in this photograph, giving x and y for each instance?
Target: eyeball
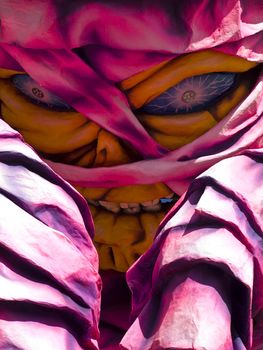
(192, 94)
(37, 94)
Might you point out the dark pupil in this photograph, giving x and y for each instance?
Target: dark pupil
(188, 96)
(38, 93)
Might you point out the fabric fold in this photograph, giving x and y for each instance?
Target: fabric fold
(48, 265)
(217, 223)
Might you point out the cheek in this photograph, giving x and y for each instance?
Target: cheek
(55, 139)
(176, 131)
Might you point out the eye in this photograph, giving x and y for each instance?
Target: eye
(192, 94)
(37, 94)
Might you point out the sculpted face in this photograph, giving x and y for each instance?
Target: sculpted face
(176, 102)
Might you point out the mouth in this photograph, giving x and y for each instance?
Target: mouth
(156, 205)
(126, 219)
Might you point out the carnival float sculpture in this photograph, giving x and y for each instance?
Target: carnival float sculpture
(131, 159)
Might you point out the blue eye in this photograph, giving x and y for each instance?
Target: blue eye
(37, 94)
(191, 95)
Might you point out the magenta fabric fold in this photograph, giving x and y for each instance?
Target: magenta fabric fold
(217, 224)
(48, 266)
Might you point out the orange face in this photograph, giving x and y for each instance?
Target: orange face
(169, 100)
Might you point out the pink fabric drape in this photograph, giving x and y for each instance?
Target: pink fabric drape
(216, 227)
(50, 287)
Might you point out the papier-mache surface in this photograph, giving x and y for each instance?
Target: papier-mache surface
(79, 51)
(50, 287)
(217, 225)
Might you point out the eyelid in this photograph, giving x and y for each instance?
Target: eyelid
(181, 68)
(8, 73)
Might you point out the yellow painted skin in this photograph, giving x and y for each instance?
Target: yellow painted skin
(121, 238)
(70, 138)
(133, 193)
(7, 73)
(220, 110)
(173, 132)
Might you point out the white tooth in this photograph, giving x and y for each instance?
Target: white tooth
(124, 205)
(150, 203)
(114, 207)
(147, 204)
(156, 207)
(103, 203)
(133, 210)
(134, 205)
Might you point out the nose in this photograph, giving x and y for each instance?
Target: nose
(112, 151)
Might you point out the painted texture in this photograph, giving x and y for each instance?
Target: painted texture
(210, 244)
(50, 288)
